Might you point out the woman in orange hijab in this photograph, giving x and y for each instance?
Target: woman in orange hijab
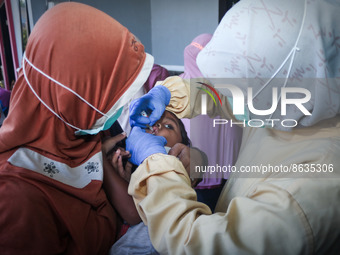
(80, 68)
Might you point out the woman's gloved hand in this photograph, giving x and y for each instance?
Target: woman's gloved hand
(152, 105)
(141, 145)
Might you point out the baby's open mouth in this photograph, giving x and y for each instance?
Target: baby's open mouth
(151, 130)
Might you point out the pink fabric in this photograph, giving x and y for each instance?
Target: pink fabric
(158, 73)
(221, 144)
(190, 67)
(190, 54)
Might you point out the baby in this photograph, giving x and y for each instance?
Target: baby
(170, 127)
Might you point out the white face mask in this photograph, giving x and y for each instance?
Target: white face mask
(109, 119)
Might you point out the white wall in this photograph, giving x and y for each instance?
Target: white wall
(175, 23)
(133, 14)
(164, 27)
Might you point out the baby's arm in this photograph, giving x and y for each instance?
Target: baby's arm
(116, 187)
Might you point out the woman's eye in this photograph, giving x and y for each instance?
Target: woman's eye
(168, 126)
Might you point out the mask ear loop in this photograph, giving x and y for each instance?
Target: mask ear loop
(60, 84)
(63, 86)
(292, 55)
(29, 85)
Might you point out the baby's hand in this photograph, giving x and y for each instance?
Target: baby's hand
(183, 153)
(117, 163)
(117, 156)
(109, 144)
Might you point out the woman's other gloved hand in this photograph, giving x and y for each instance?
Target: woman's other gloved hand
(152, 104)
(141, 145)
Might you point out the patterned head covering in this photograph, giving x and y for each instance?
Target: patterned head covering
(271, 43)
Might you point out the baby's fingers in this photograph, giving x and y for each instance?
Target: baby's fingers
(114, 160)
(120, 166)
(109, 143)
(125, 154)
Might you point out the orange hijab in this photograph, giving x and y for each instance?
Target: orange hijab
(89, 52)
(55, 176)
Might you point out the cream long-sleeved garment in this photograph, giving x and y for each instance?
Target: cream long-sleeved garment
(274, 213)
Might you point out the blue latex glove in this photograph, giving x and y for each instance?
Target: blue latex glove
(141, 145)
(153, 104)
